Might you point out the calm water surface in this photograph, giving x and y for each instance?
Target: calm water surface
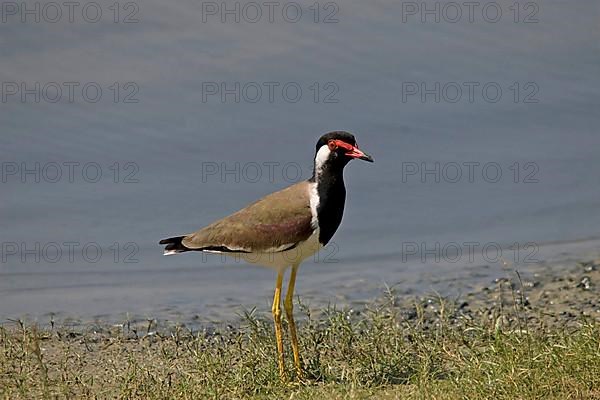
(517, 163)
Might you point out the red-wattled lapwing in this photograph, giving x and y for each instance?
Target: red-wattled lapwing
(284, 228)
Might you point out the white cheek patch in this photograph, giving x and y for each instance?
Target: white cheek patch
(321, 158)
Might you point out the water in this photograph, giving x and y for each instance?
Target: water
(166, 144)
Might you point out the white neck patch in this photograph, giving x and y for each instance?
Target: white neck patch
(321, 159)
(314, 204)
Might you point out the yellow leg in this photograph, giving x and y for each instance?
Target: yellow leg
(289, 312)
(278, 330)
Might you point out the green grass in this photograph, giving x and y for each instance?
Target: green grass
(430, 350)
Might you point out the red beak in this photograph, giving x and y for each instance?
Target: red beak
(351, 151)
(355, 152)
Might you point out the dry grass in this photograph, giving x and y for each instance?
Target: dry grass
(432, 350)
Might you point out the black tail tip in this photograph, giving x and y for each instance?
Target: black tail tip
(173, 245)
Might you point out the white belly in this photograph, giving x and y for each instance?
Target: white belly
(283, 259)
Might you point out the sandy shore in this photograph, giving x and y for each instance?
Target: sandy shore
(556, 292)
(547, 295)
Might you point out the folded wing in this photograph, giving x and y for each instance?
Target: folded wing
(277, 222)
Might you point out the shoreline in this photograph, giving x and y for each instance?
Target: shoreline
(462, 282)
(564, 290)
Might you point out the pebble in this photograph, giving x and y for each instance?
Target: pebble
(585, 283)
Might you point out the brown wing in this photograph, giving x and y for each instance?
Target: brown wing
(275, 222)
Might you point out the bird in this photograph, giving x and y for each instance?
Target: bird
(284, 228)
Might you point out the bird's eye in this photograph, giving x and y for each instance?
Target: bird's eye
(332, 145)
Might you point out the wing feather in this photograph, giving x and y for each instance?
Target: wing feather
(274, 223)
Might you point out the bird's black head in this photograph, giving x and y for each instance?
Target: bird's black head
(342, 145)
(344, 136)
(335, 149)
